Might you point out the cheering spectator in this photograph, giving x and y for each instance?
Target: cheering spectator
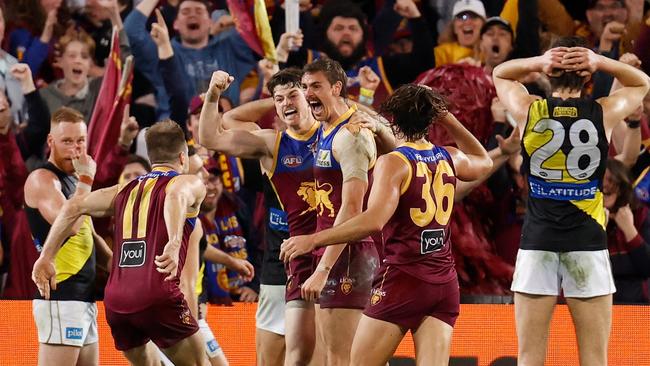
(628, 232)
(469, 17)
(199, 53)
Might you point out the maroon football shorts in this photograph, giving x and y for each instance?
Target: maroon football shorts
(298, 271)
(350, 280)
(165, 324)
(405, 300)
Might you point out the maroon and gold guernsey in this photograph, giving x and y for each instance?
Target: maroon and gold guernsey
(140, 235)
(329, 177)
(417, 236)
(292, 179)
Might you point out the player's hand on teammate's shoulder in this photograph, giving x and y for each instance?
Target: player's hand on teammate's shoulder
(361, 119)
(44, 276)
(295, 246)
(167, 262)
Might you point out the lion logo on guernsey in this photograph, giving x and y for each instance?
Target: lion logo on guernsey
(377, 295)
(317, 196)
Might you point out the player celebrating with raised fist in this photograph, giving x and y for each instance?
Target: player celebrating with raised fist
(411, 198)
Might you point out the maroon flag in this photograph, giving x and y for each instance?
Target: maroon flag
(114, 95)
(252, 23)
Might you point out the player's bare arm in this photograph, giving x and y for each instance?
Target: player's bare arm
(355, 150)
(471, 161)
(390, 174)
(622, 102)
(98, 204)
(245, 116)
(214, 136)
(43, 190)
(511, 92)
(183, 196)
(190, 271)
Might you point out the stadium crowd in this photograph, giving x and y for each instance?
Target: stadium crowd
(57, 53)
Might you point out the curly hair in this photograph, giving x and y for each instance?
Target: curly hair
(412, 109)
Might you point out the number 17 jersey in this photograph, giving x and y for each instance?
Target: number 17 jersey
(564, 150)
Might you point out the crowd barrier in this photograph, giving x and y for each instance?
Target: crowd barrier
(484, 336)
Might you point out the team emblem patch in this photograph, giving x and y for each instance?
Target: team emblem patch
(346, 285)
(186, 317)
(377, 296)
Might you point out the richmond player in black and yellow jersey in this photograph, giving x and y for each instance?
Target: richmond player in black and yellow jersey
(67, 320)
(565, 141)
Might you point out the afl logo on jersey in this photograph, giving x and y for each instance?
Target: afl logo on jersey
(292, 161)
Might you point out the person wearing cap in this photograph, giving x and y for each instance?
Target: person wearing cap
(496, 45)
(465, 29)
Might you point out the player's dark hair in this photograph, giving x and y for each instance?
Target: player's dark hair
(290, 77)
(412, 109)
(165, 140)
(567, 80)
(332, 71)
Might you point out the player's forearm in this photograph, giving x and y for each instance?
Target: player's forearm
(517, 69)
(627, 75)
(62, 227)
(175, 211)
(210, 122)
(245, 116)
(356, 228)
(468, 144)
(351, 206)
